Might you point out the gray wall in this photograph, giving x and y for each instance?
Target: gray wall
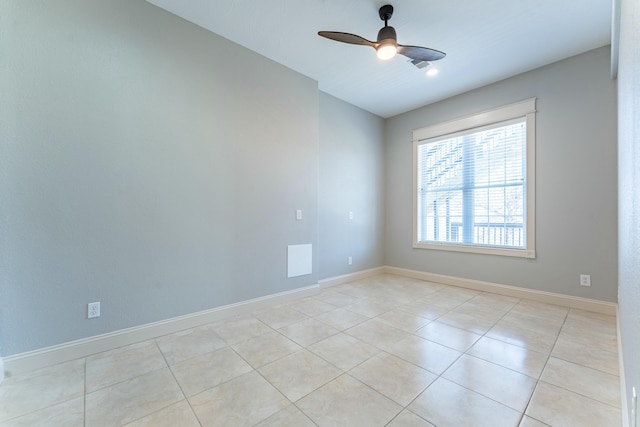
(576, 215)
(155, 167)
(351, 180)
(145, 163)
(629, 196)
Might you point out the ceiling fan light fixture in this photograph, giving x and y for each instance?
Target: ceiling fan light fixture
(432, 72)
(386, 45)
(387, 51)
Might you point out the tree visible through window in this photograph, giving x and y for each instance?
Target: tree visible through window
(472, 187)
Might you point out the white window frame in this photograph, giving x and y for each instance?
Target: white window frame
(526, 109)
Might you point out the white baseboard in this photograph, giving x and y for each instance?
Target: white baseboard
(597, 306)
(623, 386)
(346, 278)
(48, 356)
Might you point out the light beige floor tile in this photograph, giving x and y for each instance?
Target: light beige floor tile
(50, 373)
(266, 348)
(121, 364)
(444, 301)
(410, 293)
(583, 313)
(586, 381)
(586, 355)
(394, 297)
(421, 288)
(395, 378)
(424, 353)
(280, 316)
(583, 320)
(355, 289)
(290, 416)
(341, 319)
(347, 402)
(540, 309)
(592, 326)
(503, 385)
(299, 374)
(42, 388)
(409, 419)
(336, 298)
(68, 414)
(559, 407)
(240, 328)
(588, 338)
(343, 351)
(452, 293)
(591, 331)
(133, 399)
(522, 337)
(184, 345)
(370, 307)
(403, 320)
(530, 422)
(471, 323)
(377, 333)
(449, 336)
(474, 309)
(178, 414)
(308, 331)
(243, 401)
(542, 325)
(312, 306)
(510, 356)
(424, 309)
(494, 301)
(446, 404)
(208, 370)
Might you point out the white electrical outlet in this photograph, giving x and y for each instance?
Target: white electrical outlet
(350, 215)
(350, 260)
(298, 214)
(585, 280)
(93, 310)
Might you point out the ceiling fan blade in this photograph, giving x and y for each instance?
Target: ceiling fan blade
(420, 53)
(346, 38)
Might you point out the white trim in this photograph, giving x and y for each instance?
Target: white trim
(517, 110)
(615, 38)
(479, 249)
(346, 278)
(507, 112)
(596, 306)
(624, 407)
(48, 356)
(531, 184)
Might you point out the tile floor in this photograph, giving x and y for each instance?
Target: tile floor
(385, 351)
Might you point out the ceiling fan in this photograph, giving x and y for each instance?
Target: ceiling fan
(387, 45)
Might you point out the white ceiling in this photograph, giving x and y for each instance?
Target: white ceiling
(485, 41)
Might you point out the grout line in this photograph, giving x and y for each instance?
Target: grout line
(178, 383)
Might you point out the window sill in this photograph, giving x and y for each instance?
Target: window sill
(486, 250)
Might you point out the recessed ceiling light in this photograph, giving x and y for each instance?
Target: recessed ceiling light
(432, 71)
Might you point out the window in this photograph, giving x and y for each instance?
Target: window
(474, 183)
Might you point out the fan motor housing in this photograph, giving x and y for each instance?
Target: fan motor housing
(386, 33)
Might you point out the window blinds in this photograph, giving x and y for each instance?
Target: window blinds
(472, 186)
